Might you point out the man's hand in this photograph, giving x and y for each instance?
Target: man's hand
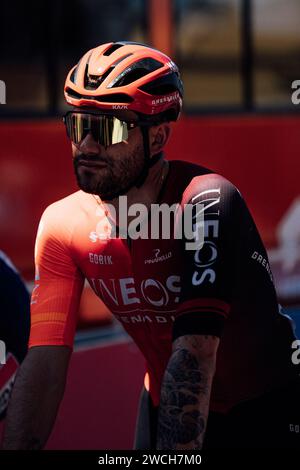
(185, 392)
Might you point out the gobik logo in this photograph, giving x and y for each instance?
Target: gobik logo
(2, 352)
(2, 92)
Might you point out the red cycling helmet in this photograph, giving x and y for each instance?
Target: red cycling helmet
(127, 75)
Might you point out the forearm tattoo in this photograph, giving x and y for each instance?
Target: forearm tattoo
(184, 403)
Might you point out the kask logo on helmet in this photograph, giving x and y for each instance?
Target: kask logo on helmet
(120, 106)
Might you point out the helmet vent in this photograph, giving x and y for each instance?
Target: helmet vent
(91, 82)
(135, 71)
(112, 48)
(164, 85)
(73, 93)
(115, 98)
(73, 75)
(160, 90)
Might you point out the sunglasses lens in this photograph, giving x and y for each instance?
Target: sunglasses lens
(106, 130)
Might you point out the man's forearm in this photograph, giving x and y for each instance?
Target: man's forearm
(32, 409)
(28, 422)
(184, 405)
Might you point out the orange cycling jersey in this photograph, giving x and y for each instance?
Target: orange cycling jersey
(159, 290)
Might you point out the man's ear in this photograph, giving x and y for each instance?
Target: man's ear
(158, 137)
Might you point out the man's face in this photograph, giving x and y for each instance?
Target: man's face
(108, 171)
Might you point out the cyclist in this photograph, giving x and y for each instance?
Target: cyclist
(217, 348)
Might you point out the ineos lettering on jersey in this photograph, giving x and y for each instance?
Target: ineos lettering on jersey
(207, 255)
(116, 292)
(203, 261)
(205, 204)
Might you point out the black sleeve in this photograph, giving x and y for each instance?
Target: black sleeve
(208, 273)
(14, 310)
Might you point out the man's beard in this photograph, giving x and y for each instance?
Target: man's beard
(117, 176)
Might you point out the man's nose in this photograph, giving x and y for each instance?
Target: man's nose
(88, 145)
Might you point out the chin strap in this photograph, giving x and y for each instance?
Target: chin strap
(149, 162)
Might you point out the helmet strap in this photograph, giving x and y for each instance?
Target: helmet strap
(149, 162)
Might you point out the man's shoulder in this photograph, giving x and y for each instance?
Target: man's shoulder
(62, 217)
(188, 169)
(198, 180)
(69, 207)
